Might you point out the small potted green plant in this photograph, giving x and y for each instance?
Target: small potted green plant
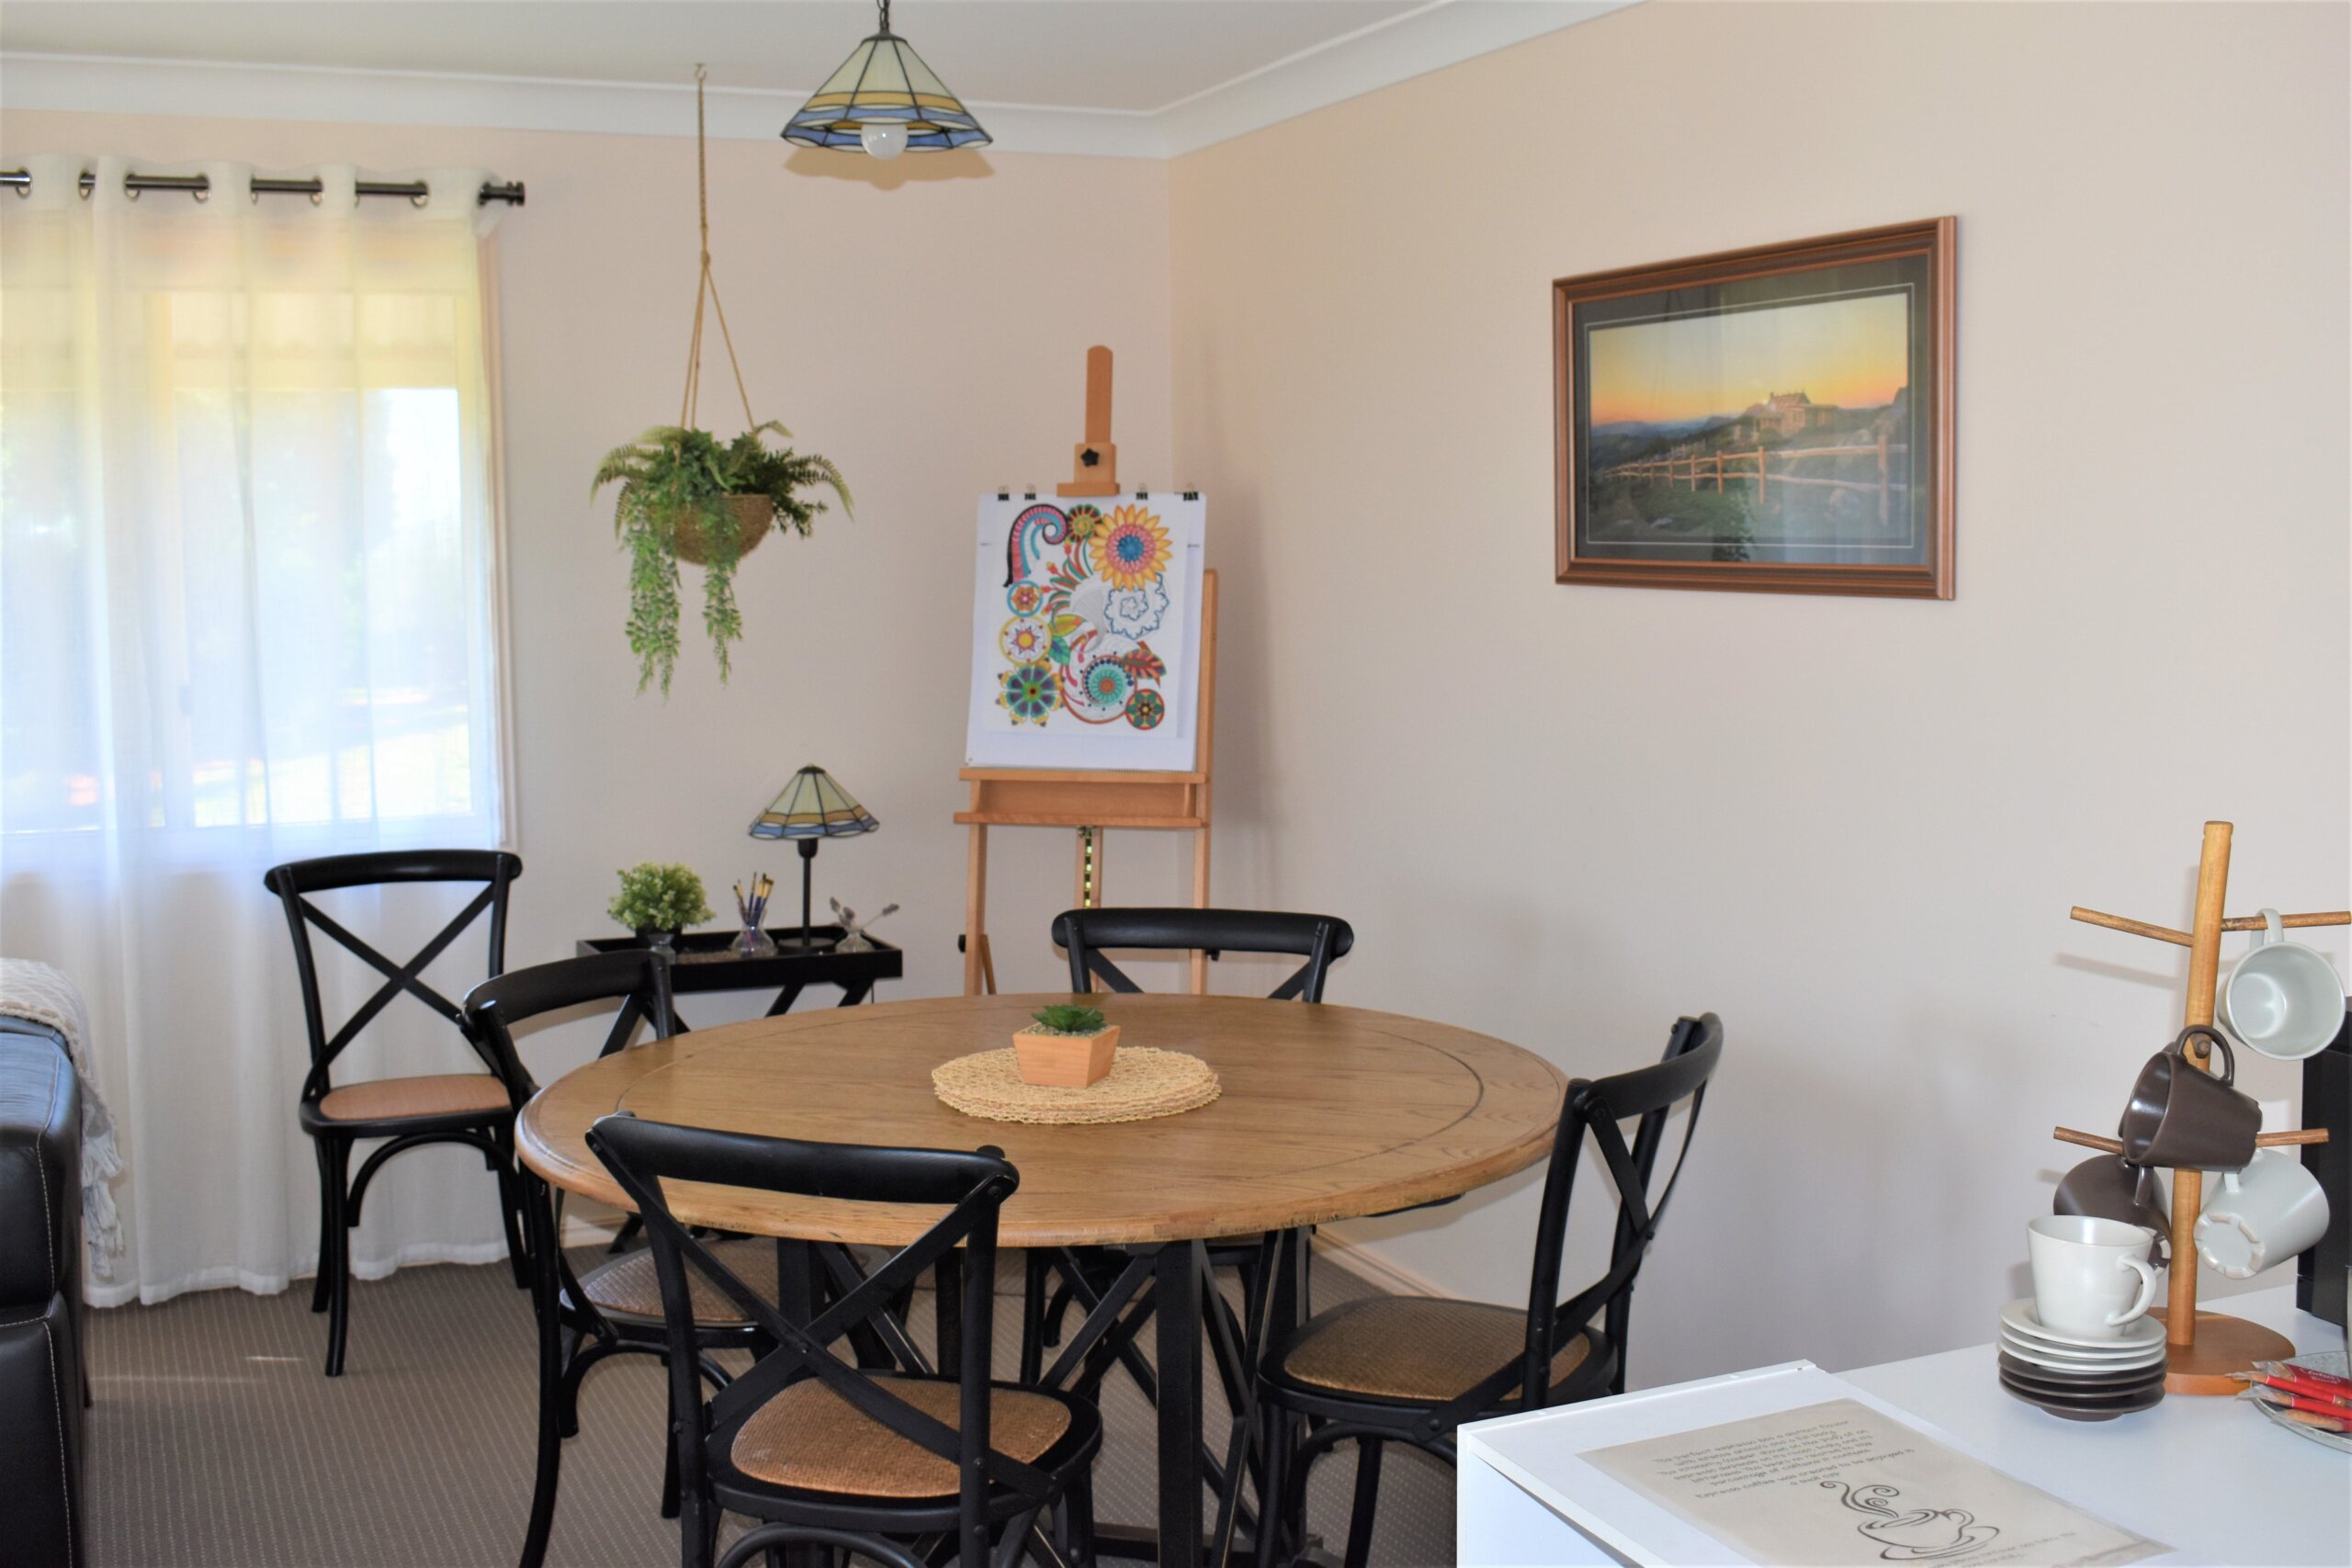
(687, 496)
(1068, 1047)
(659, 902)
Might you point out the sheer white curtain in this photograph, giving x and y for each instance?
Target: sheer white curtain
(249, 613)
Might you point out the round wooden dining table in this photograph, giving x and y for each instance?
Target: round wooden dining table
(1326, 1113)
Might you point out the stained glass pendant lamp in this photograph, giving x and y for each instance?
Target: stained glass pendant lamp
(811, 807)
(885, 99)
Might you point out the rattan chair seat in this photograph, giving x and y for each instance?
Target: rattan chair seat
(1422, 1349)
(630, 1286)
(395, 1100)
(808, 1437)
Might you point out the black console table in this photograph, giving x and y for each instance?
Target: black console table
(705, 963)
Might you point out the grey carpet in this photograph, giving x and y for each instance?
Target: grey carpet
(216, 1443)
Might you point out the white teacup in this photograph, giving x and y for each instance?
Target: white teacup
(2284, 999)
(2261, 1215)
(2090, 1276)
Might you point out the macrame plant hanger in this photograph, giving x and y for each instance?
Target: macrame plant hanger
(707, 286)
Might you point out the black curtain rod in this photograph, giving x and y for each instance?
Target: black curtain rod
(21, 182)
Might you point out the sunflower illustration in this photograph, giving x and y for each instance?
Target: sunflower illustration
(1029, 693)
(1132, 550)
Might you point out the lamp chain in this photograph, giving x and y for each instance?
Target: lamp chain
(707, 285)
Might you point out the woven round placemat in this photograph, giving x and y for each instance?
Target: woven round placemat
(1142, 1083)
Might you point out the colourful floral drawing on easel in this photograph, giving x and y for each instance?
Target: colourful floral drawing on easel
(1084, 592)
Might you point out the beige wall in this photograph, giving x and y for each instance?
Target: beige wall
(929, 336)
(1852, 826)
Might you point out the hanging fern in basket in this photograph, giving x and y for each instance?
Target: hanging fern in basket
(686, 496)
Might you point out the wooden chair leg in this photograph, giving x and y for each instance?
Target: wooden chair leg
(322, 1282)
(1274, 1495)
(510, 1213)
(339, 1226)
(1367, 1503)
(1081, 1520)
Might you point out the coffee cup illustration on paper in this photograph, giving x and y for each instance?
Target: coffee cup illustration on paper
(1914, 1535)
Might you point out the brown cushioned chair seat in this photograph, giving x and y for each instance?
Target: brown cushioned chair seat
(809, 1437)
(436, 1094)
(1422, 1349)
(628, 1284)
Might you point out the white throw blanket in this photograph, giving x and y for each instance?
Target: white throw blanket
(36, 991)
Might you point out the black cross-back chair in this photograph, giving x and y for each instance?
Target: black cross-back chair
(409, 1113)
(1087, 1275)
(1083, 935)
(1411, 1368)
(896, 1464)
(614, 1308)
(1319, 939)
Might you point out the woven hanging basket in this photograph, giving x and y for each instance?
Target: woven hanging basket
(754, 517)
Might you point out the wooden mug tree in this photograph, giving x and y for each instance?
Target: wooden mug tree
(1093, 799)
(2202, 1348)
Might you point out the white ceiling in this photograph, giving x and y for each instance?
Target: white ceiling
(1144, 77)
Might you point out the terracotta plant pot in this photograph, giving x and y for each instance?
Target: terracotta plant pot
(755, 518)
(1066, 1061)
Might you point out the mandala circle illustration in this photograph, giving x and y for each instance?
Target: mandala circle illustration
(1085, 522)
(1107, 683)
(1024, 639)
(1146, 709)
(1025, 598)
(1030, 693)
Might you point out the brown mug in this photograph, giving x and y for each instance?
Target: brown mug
(2182, 1116)
(2105, 1188)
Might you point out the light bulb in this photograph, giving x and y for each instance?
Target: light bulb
(884, 138)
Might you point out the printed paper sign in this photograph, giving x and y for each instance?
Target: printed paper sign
(1838, 1483)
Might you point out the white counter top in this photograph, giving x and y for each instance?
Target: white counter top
(2213, 1479)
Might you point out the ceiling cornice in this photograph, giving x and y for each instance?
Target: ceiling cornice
(1427, 38)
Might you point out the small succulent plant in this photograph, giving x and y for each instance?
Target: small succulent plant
(1067, 1020)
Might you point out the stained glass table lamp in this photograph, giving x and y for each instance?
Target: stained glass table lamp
(812, 806)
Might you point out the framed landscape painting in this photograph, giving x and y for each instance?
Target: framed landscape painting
(1775, 419)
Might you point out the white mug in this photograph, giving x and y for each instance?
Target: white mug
(2260, 1216)
(2090, 1276)
(2284, 999)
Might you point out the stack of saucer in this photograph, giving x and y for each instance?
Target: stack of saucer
(2077, 1377)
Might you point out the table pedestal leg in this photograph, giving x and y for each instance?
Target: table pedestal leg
(547, 1261)
(1176, 1295)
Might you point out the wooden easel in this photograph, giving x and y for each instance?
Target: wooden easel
(1091, 800)
(2202, 1348)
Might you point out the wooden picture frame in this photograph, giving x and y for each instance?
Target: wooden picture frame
(1705, 471)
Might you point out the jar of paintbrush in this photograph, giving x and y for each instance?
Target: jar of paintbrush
(752, 910)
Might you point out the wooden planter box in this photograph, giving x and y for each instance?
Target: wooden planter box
(1066, 1061)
